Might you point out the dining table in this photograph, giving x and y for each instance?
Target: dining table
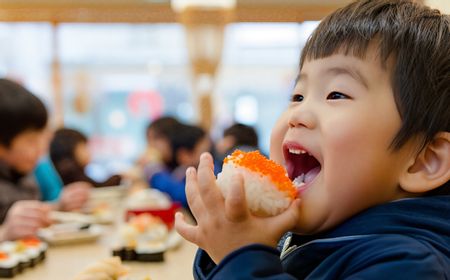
(65, 259)
(64, 262)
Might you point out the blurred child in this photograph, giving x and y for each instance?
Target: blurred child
(237, 136)
(23, 120)
(186, 145)
(70, 155)
(158, 135)
(368, 133)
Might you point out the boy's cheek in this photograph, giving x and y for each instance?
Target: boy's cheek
(276, 139)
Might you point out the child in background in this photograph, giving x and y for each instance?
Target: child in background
(368, 130)
(237, 136)
(187, 142)
(158, 135)
(23, 121)
(70, 156)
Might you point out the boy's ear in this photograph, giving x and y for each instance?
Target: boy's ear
(430, 169)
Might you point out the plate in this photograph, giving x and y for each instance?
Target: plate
(75, 217)
(108, 193)
(71, 217)
(70, 233)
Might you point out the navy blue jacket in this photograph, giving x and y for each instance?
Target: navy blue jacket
(404, 239)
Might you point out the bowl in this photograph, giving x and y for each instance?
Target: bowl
(167, 215)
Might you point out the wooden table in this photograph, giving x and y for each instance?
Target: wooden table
(65, 261)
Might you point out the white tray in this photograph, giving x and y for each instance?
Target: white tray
(70, 233)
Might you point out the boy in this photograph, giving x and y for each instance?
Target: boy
(186, 143)
(368, 127)
(23, 139)
(237, 136)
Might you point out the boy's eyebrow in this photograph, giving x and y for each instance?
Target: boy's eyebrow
(354, 73)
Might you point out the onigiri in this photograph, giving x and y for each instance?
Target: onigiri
(268, 189)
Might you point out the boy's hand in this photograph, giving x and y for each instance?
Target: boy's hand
(24, 218)
(224, 225)
(74, 196)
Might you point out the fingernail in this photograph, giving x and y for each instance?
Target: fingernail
(204, 155)
(189, 171)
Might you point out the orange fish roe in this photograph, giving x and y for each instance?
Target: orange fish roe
(31, 242)
(3, 256)
(256, 162)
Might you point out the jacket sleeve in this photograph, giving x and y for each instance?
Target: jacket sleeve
(254, 261)
(398, 258)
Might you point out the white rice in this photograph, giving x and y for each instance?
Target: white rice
(263, 198)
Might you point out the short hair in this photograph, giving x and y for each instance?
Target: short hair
(20, 110)
(418, 40)
(186, 137)
(163, 126)
(63, 144)
(244, 135)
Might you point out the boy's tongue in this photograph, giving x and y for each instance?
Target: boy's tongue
(306, 178)
(311, 174)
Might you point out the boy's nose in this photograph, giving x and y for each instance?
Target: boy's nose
(302, 116)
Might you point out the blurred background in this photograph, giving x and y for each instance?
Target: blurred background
(109, 67)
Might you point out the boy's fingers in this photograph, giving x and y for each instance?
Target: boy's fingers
(209, 193)
(195, 204)
(27, 225)
(36, 218)
(287, 220)
(186, 230)
(235, 203)
(34, 213)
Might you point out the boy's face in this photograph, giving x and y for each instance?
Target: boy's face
(342, 113)
(25, 150)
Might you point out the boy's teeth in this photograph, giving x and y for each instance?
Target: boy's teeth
(299, 180)
(297, 151)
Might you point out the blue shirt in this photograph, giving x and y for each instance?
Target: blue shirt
(50, 184)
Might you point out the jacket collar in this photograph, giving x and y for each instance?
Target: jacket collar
(425, 216)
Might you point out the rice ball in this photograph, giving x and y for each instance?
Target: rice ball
(268, 189)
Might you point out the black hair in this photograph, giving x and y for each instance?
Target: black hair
(417, 39)
(244, 135)
(162, 126)
(63, 144)
(20, 110)
(186, 137)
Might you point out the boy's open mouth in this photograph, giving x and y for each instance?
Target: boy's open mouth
(301, 166)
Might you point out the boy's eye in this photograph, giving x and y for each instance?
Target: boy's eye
(337, 95)
(297, 98)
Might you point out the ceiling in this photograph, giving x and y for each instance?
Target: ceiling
(158, 10)
(156, 2)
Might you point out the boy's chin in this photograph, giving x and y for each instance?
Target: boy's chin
(305, 228)
(302, 230)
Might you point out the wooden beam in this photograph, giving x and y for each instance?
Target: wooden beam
(88, 14)
(152, 13)
(267, 13)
